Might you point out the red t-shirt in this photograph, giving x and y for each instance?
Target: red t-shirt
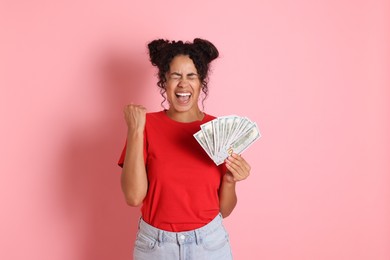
(183, 181)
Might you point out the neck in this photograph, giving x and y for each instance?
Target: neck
(185, 117)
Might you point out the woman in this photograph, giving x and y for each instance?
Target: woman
(184, 195)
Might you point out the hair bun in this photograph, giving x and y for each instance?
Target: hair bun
(155, 48)
(208, 49)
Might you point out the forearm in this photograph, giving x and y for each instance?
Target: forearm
(134, 179)
(227, 197)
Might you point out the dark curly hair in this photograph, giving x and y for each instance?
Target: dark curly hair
(200, 51)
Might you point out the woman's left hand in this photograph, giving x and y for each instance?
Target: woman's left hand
(238, 168)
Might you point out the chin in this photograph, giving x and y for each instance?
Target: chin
(181, 108)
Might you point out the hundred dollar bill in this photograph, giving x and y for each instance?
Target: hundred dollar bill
(226, 135)
(222, 125)
(216, 136)
(199, 136)
(207, 130)
(237, 123)
(220, 157)
(244, 141)
(239, 145)
(244, 125)
(229, 127)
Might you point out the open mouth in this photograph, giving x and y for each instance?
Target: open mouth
(183, 97)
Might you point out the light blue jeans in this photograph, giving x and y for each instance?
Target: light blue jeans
(210, 242)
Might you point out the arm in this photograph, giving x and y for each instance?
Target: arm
(227, 197)
(134, 179)
(237, 170)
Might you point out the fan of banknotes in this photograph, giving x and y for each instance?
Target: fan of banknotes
(226, 135)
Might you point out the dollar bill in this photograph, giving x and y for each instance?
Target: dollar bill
(199, 136)
(215, 125)
(226, 135)
(208, 133)
(244, 141)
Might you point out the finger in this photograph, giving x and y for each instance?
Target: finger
(239, 167)
(133, 107)
(234, 162)
(242, 162)
(134, 115)
(235, 170)
(234, 174)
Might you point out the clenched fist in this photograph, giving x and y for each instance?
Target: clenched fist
(135, 116)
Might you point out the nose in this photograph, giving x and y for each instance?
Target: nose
(183, 83)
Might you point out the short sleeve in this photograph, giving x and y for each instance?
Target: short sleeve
(122, 157)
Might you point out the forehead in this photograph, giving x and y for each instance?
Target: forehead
(182, 63)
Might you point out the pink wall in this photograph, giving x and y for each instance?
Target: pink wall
(313, 74)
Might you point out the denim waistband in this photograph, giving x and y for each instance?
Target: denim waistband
(180, 237)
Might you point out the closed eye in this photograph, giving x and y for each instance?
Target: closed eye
(175, 75)
(192, 76)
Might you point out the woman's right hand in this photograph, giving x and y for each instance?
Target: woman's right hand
(135, 116)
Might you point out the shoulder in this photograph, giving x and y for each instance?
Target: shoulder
(157, 114)
(153, 118)
(208, 117)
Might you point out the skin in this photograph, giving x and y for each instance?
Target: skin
(182, 79)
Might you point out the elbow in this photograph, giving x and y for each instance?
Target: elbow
(133, 202)
(134, 194)
(225, 214)
(227, 209)
(133, 199)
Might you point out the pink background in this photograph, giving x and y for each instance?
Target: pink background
(313, 74)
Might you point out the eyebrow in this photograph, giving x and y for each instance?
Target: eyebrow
(188, 75)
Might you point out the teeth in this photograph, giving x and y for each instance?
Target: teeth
(183, 94)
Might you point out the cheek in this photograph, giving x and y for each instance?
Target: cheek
(170, 95)
(197, 87)
(169, 89)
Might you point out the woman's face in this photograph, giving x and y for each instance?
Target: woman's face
(183, 85)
